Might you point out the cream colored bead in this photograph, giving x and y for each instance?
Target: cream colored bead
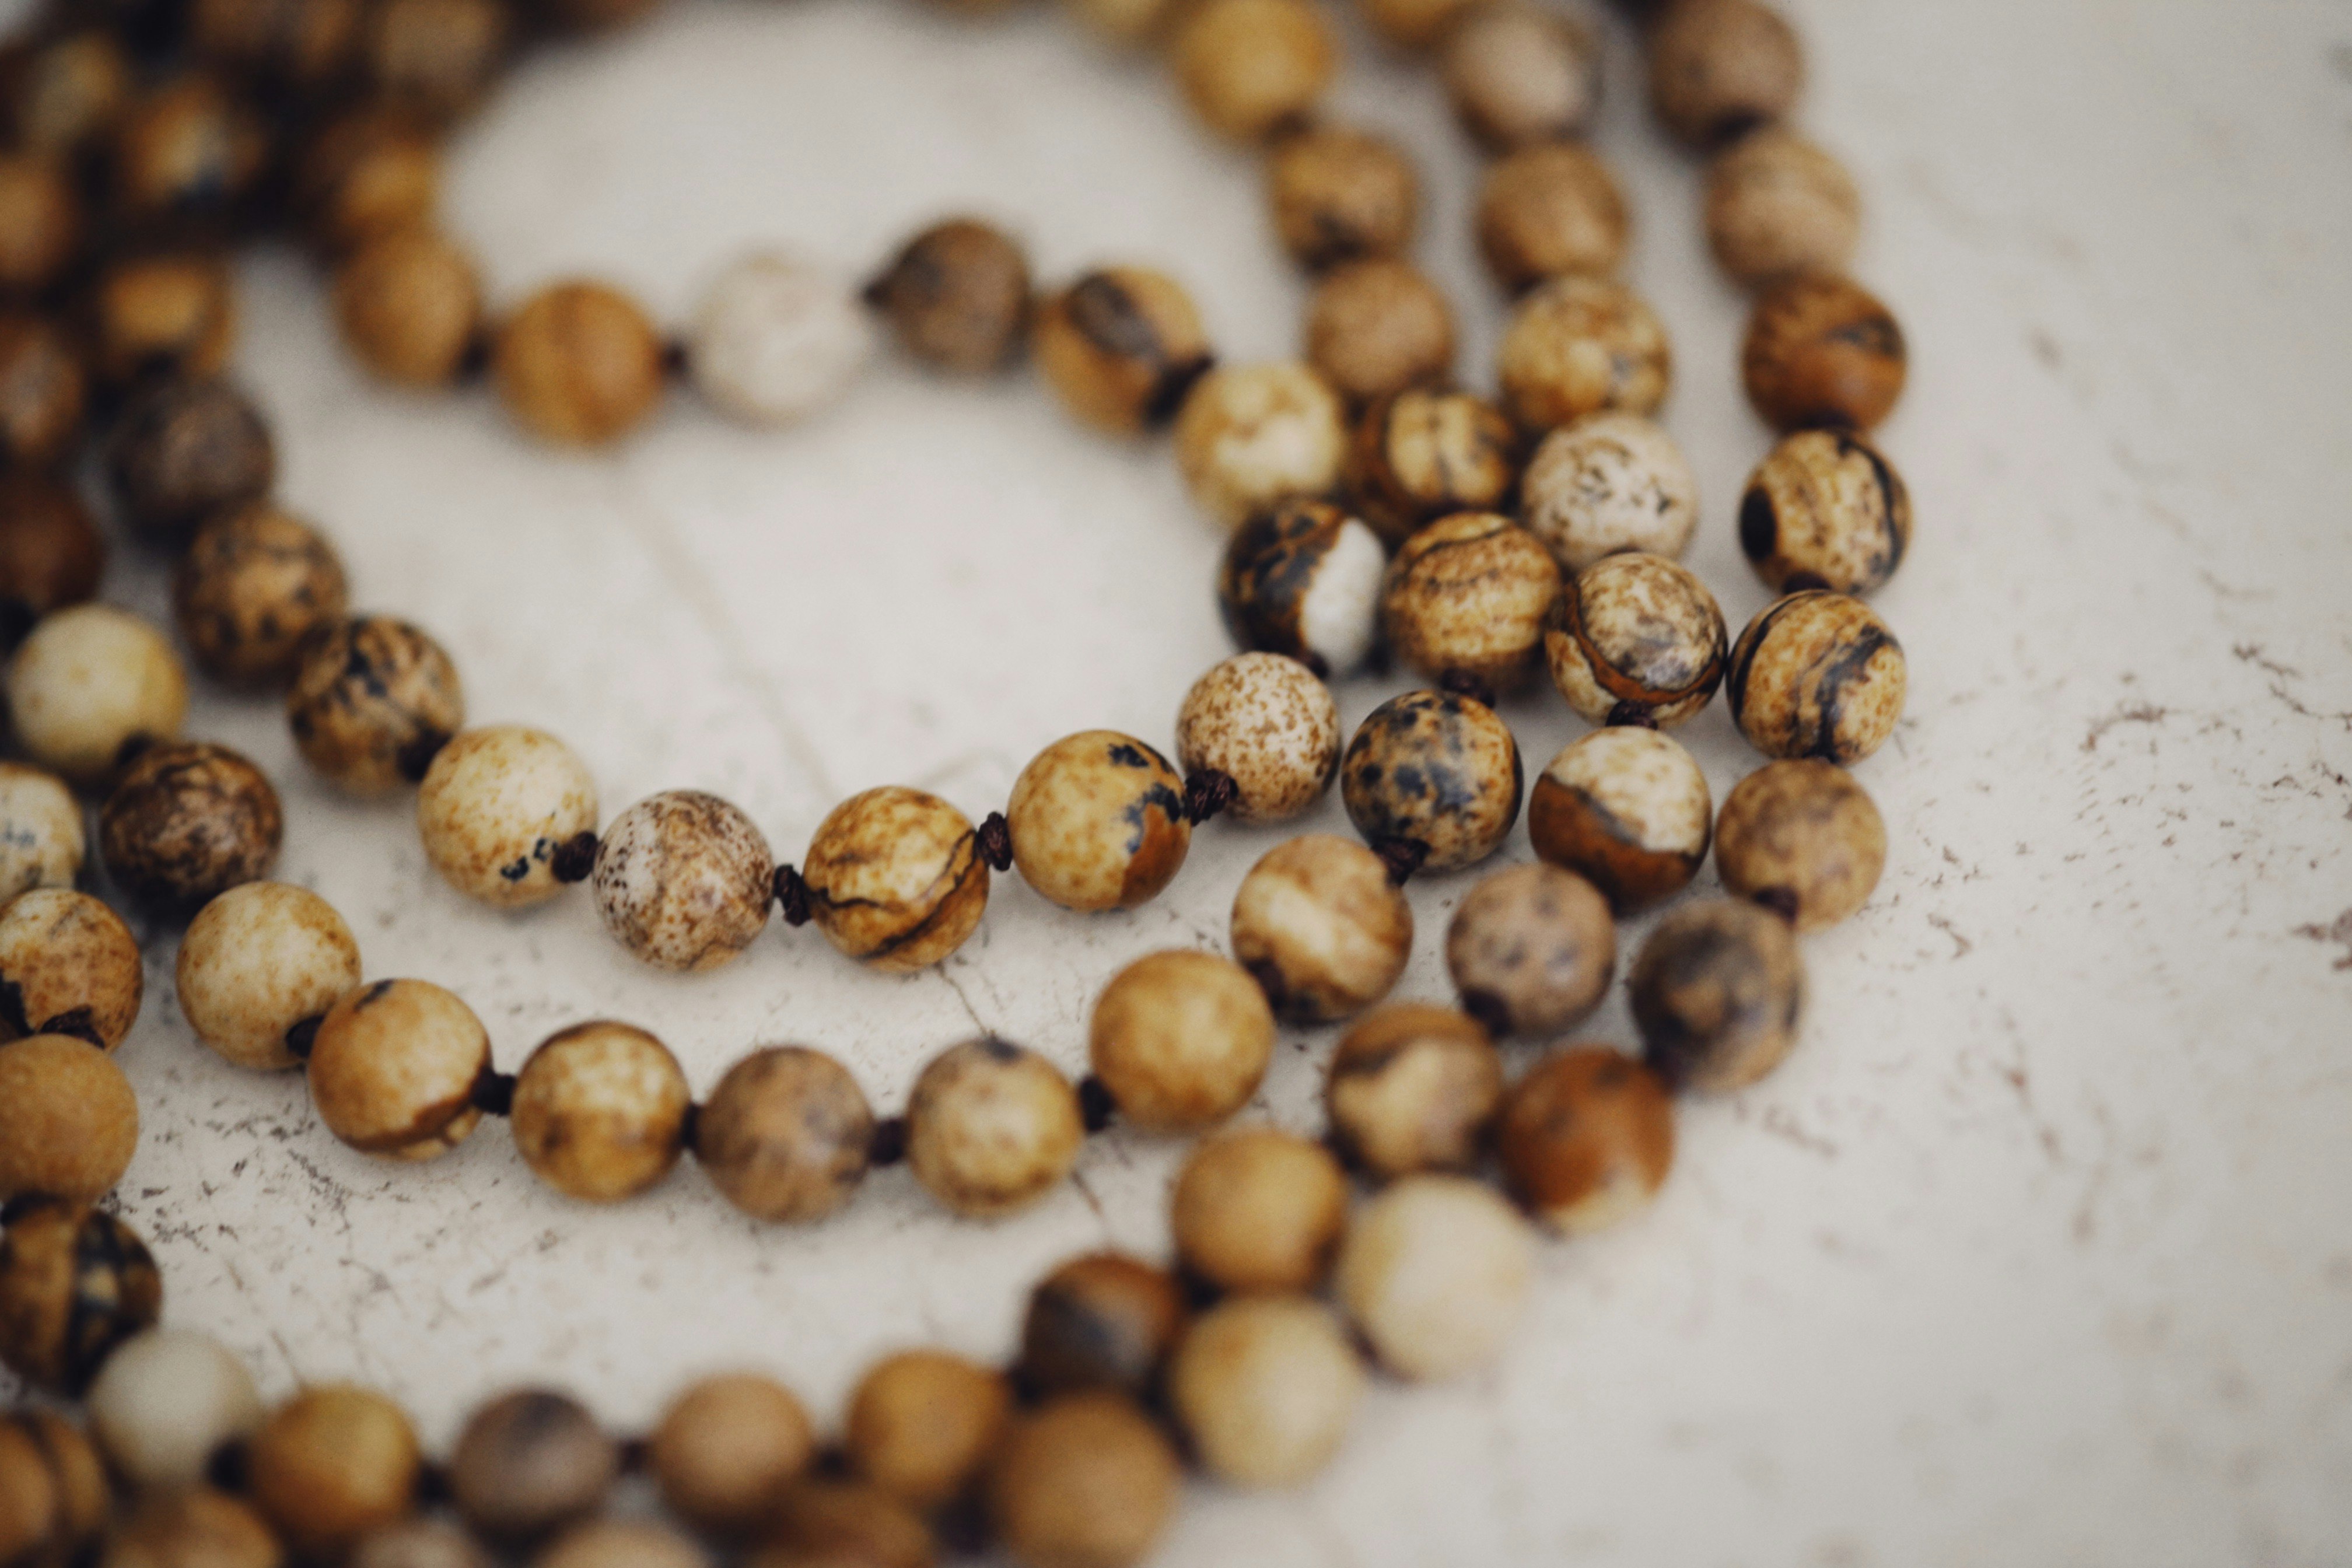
(1259, 1209)
(1579, 346)
(991, 1127)
(73, 964)
(684, 880)
(1180, 1039)
(496, 806)
(1321, 927)
(258, 960)
(1265, 1386)
(393, 1070)
(1098, 822)
(1625, 808)
(599, 1111)
(1265, 721)
(1252, 436)
(1250, 67)
(1435, 1272)
(41, 838)
(1606, 483)
(776, 339)
(87, 681)
(165, 1402)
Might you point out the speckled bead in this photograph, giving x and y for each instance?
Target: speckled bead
(198, 1526)
(1413, 24)
(1320, 926)
(1180, 1039)
(258, 960)
(1338, 194)
(1628, 810)
(1636, 634)
(67, 966)
(1378, 326)
(409, 305)
(599, 1111)
(1435, 774)
(1777, 204)
(1413, 1087)
(1548, 210)
(579, 365)
(683, 880)
(496, 806)
(1825, 509)
(922, 1423)
(786, 1134)
(41, 842)
(1265, 1386)
(1469, 597)
(86, 683)
(1435, 1272)
(894, 878)
(74, 1284)
(51, 552)
(1606, 483)
(1716, 990)
(393, 1070)
(528, 1464)
(1586, 1138)
(40, 223)
(1103, 1321)
(1084, 1481)
(1249, 68)
(172, 314)
(822, 1520)
(42, 391)
(188, 821)
(434, 58)
(1817, 675)
(373, 700)
(1304, 581)
(1578, 345)
(1531, 951)
(1425, 454)
(253, 585)
(957, 297)
(1802, 839)
(775, 340)
(1720, 67)
(1265, 721)
(1259, 1210)
(991, 1127)
(331, 1467)
(1251, 436)
(1518, 75)
(66, 91)
(1822, 350)
(725, 1448)
(420, 1543)
(68, 1122)
(182, 451)
(164, 1405)
(621, 1543)
(1120, 347)
(186, 156)
(53, 1490)
(1098, 822)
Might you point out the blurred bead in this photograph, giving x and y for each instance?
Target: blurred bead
(599, 1111)
(1802, 838)
(189, 820)
(1469, 596)
(420, 1543)
(1378, 326)
(1549, 210)
(1776, 205)
(40, 223)
(991, 1127)
(786, 1134)
(169, 314)
(578, 364)
(1103, 1321)
(51, 552)
(1338, 195)
(331, 1465)
(1825, 509)
(67, 966)
(1123, 21)
(1304, 581)
(1098, 822)
(1519, 74)
(53, 1490)
(1084, 1481)
(1413, 1087)
(373, 701)
(1607, 483)
(393, 1070)
(1259, 1210)
(255, 961)
(255, 583)
(922, 1423)
(370, 173)
(1252, 437)
(1435, 773)
(957, 297)
(41, 843)
(776, 339)
(302, 45)
(1321, 928)
(1578, 345)
(1720, 67)
(528, 1464)
(42, 391)
(895, 878)
(89, 680)
(1531, 950)
(164, 1403)
(1434, 1271)
(726, 1448)
(1414, 24)
(1426, 454)
(184, 451)
(1716, 989)
(409, 306)
(1250, 67)
(434, 58)
(621, 1543)
(496, 806)
(1636, 633)
(1628, 810)
(1265, 1386)
(186, 157)
(820, 1522)
(197, 1528)
(64, 92)
(1817, 675)
(1822, 350)
(1587, 1138)
(1180, 1039)
(1120, 347)
(1265, 723)
(74, 1284)
(684, 880)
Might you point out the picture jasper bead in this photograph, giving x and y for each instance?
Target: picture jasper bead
(528, 1464)
(184, 450)
(1098, 822)
(409, 305)
(373, 701)
(1084, 1481)
(1518, 75)
(1250, 67)
(1435, 1272)
(1122, 347)
(1424, 454)
(622, 1543)
(1817, 675)
(74, 1284)
(1531, 951)
(258, 960)
(957, 297)
(1259, 1210)
(1802, 839)
(496, 806)
(599, 1111)
(1825, 509)
(41, 843)
(725, 1448)
(822, 1520)
(199, 1525)
(40, 223)
(51, 552)
(164, 1404)
(296, 43)
(1587, 1138)
(1413, 1087)
(1180, 1039)
(1469, 597)
(88, 681)
(1265, 721)
(185, 158)
(434, 58)
(1378, 326)
(1628, 810)
(1579, 346)
(66, 91)
(331, 1467)
(684, 880)
(67, 966)
(921, 1424)
(1338, 194)
(1103, 1321)
(1636, 634)
(895, 878)
(54, 1496)
(1435, 774)
(1321, 928)
(169, 314)
(1821, 350)
(991, 1127)
(775, 340)
(1776, 205)
(1716, 990)
(254, 584)
(368, 174)
(393, 1070)
(1606, 483)
(42, 391)
(1549, 210)
(1265, 1386)
(786, 1134)
(1304, 581)
(1251, 436)
(1721, 68)
(420, 1543)
(579, 365)
(189, 820)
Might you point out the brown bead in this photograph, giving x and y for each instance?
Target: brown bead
(1338, 195)
(183, 451)
(922, 1423)
(895, 878)
(1303, 581)
(599, 1111)
(1716, 990)
(1265, 723)
(1259, 1209)
(1098, 822)
(1531, 950)
(1587, 1138)
(1180, 1039)
(1436, 774)
(186, 157)
(1414, 24)
(67, 966)
(991, 1127)
(1103, 1321)
(1720, 67)
(1628, 810)
(684, 880)
(53, 1490)
(1413, 1087)
(1803, 837)
(68, 1122)
(420, 1543)
(42, 391)
(1519, 74)
(189, 820)
(168, 314)
(1776, 205)
(1425, 454)
(528, 1464)
(1251, 438)
(1085, 1481)
(434, 58)
(726, 1448)
(409, 305)
(1265, 1386)
(786, 1134)
(1470, 595)
(369, 174)
(393, 1066)
(1321, 927)
(578, 364)
(1549, 210)
(40, 223)
(74, 1284)
(957, 297)
(1577, 345)
(821, 1522)
(1817, 675)
(1639, 629)
(621, 1543)
(373, 700)
(1122, 347)
(1825, 509)
(63, 93)
(255, 583)
(196, 1528)
(298, 43)
(1822, 350)
(331, 1465)
(1249, 68)
(1379, 326)
(51, 554)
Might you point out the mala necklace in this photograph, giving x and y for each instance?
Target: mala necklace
(1376, 513)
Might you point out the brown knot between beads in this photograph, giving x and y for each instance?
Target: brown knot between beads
(889, 1142)
(1207, 790)
(1782, 901)
(1630, 714)
(1463, 683)
(994, 841)
(494, 1092)
(574, 859)
(303, 1035)
(1403, 857)
(1096, 1107)
(793, 895)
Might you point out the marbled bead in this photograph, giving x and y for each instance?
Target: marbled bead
(684, 880)
(194, 1528)
(1084, 1481)
(1103, 1321)
(1425, 454)
(991, 1127)
(331, 1467)
(1817, 675)
(1519, 74)
(182, 451)
(1469, 596)
(1250, 67)
(895, 878)
(786, 1134)
(1180, 1039)
(1265, 1386)
(372, 701)
(578, 364)
(1578, 345)
(1378, 326)
(420, 1543)
(41, 842)
(1338, 194)
(1719, 67)
(434, 58)
(1531, 950)
(42, 391)
(173, 313)
(165, 1402)
(496, 806)
(957, 297)
(68, 966)
(68, 1122)
(186, 156)
(409, 305)
(528, 1464)
(1822, 350)
(1587, 1138)
(51, 552)
(1414, 24)
(1716, 990)
(393, 1070)
(921, 1424)
(41, 223)
(189, 820)
(1304, 581)
(775, 340)
(254, 584)
(53, 1490)
(1549, 210)
(258, 960)
(1776, 205)
(1258, 1209)
(74, 1284)
(1610, 483)
(1803, 837)
(1628, 810)
(820, 1519)
(1825, 509)
(621, 1543)
(1098, 822)
(726, 1448)
(1321, 928)
(1436, 774)
(1120, 347)
(599, 1111)
(1434, 1271)
(88, 681)
(1265, 721)
(1411, 1087)
(1636, 633)
(1252, 437)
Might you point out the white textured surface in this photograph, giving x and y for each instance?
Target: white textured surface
(2039, 1250)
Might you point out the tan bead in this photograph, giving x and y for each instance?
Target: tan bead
(496, 806)
(185, 155)
(683, 880)
(182, 451)
(1610, 483)
(1578, 345)
(1259, 1209)
(372, 700)
(1120, 347)
(895, 878)
(1636, 637)
(1520, 75)
(1628, 810)
(991, 1127)
(1378, 326)
(409, 305)
(255, 961)
(51, 552)
(1103, 1321)
(1802, 838)
(41, 842)
(53, 1490)
(1777, 203)
(86, 683)
(1821, 350)
(528, 1464)
(420, 1543)
(1436, 776)
(197, 1528)
(1321, 928)
(1413, 1087)
(578, 364)
(74, 1284)
(166, 1403)
(71, 89)
(1304, 581)
(331, 1465)
(371, 173)
(1084, 1481)
(1435, 1272)
(1250, 67)
(296, 43)
(393, 1070)
(434, 58)
(1338, 194)
(1550, 210)
(71, 965)
(1265, 721)
(621, 1543)
(174, 311)
(68, 1122)
(1414, 24)
(42, 391)
(1716, 990)
(726, 1448)
(1825, 509)
(1251, 436)
(40, 223)
(1180, 1039)
(1425, 454)
(1123, 21)
(820, 1522)
(1469, 596)
(1265, 1386)
(922, 1423)
(188, 821)
(1098, 822)
(1587, 1139)
(254, 584)
(1531, 951)
(1817, 675)
(1719, 67)
(786, 1135)
(957, 297)
(600, 1111)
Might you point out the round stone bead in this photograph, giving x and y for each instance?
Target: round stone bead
(1377, 326)
(74, 1284)
(1822, 350)
(172, 315)
(1180, 1039)
(1520, 75)
(1251, 436)
(369, 174)
(1413, 1087)
(393, 1070)
(496, 806)
(68, 1122)
(957, 297)
(86, 683)
(1628, 810)
(1716, 989)
(41, 842)
(51, 552)
(1468, 596)
(1259, 1210)
(255, 961)
(1606, 483)
(41, 223)
(1103, 1321)
(1435, 1272)
(1777, 204)
(1548, 210)
(53, 1490)
(1802, 839)
(185, 157)
(42, 389)
(579, 365)
(725, 1448)
(1320, 926)
(1825, 509)
(254, 584)
(1425, 454)
(1265, 1386)
(1435, 775)
(373, 700)
(332, 1465)
(1720, 67)
(1084, 1481)
(528, 1464)
(1265, 721)
(1250, 67)
(922, 1423)
(1587, 1138)
(1579, 346)
(1817, 675)
(895, 878)
(1636, 637)
(786, 1135)
(1414, 24)
(182, 451)
(165, 1402)
(67, 90)
(775, 340)
(188, 821)
(621, 1543)
(197, 1526)
(1120, 347)
(600, 1111)
(409, 305)
(991, 1127)
(301, 45)
(435, 58)
(71, 967)
(1338, 194)
(684, 880)
(1098, 822)
(1531, 951)
(420, 1543)
(819, 1519)
(1304, 581)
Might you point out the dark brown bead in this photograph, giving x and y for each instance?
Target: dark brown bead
(372, 171)
(1338, 195)
(1434, 772)
(529, 1463)
(171, 314)
(300, 43)
(957, 296)
(1822, 350)
(254, 584)
(40, 223)
(1103, 1321)
(373, 700)
(42, 388)
(188, 821)
(186, 157)
(51, 554)
(1587, 1138)
(435, 58)
(74, 1284)
(62, 92)
(1304, 580)
(1426, 454)
(1716, 989)
(184, 450)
